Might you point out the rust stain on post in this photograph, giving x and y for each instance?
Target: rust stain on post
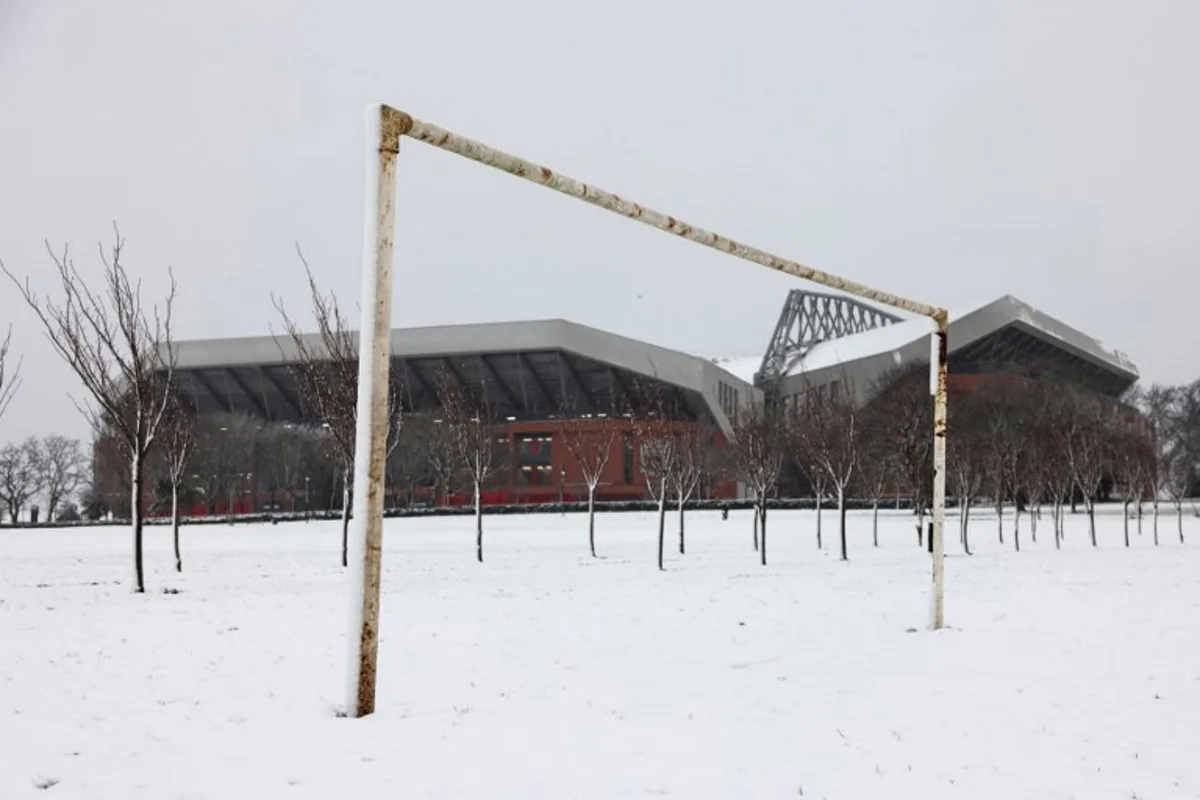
(940, 409)
(393, 125)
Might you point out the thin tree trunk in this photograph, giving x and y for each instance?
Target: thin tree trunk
(1058, 522)
(842, 517)
(1179, 519)
(681, 547)
(1156, 518)
(1017, 525)
(135, 520)
(1000, 517)
(1091, 512)
(1034, 513)
(662, 521)
(175, 524)
(345, 518)
(966, 523)
(1139, 515)
(820, 545)
(1125, 515)
(762, 551)
(875, 523)
(756, 524)
(478, 523)
(592, 518)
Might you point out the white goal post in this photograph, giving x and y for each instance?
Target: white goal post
(385, 127)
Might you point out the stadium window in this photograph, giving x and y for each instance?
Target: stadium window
(534, 449)
(534, 475)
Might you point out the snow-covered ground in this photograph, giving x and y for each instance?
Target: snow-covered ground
(544, 673)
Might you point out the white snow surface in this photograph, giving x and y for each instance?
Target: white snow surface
(546, 674)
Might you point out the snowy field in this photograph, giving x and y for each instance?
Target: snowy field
(546, 674)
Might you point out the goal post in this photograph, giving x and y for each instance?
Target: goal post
(385, 127)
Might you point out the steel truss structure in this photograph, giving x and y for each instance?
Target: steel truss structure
(809, 318)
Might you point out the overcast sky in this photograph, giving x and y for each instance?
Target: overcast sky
(950, 151)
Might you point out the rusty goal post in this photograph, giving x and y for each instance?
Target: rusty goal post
(386, 126)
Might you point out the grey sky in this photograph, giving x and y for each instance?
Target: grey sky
(950, 151)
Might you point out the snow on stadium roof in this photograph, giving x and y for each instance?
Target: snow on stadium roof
(966, 326)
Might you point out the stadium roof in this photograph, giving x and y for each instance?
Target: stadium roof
(529, 369)
(998, 332)
(545, 368)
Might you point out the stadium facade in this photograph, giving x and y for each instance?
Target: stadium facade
(534, 373)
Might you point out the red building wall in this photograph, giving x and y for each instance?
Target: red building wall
(559, 475)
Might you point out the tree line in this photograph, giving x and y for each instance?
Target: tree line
(1035, 444)
(52, 468)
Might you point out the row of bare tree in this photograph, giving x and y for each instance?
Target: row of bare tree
(1010, 439)
(53, 467)
(1027, 442)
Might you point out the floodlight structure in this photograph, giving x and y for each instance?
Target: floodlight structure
(385, 127)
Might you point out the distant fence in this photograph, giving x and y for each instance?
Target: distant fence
(273, 517)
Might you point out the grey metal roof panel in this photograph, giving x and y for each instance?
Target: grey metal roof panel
(651, 361)
(909, 339)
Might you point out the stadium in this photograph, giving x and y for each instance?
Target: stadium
(532, 374)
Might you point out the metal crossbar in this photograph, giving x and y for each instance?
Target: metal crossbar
(407, 125)
(385, 128)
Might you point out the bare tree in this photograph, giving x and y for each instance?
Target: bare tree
(442, 459)
(1039, 407)
(1001, 399)
(9, 381)
(284, 447)
(1157, 406)
(900, 416)
(222, 456)
(693, 445)
(1089, 450)
(177, 444)
(410, 460)
(469, 423)
(60, 466)
(874, 470)
(658, 451)
(1134, 461)
(967, 459)
(756, 452)
(803, 460)
(590, 443)
(19, 476)
(1057, 428)
(325, 368)
(1178, 479)
(831, 436)
(123, 356)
